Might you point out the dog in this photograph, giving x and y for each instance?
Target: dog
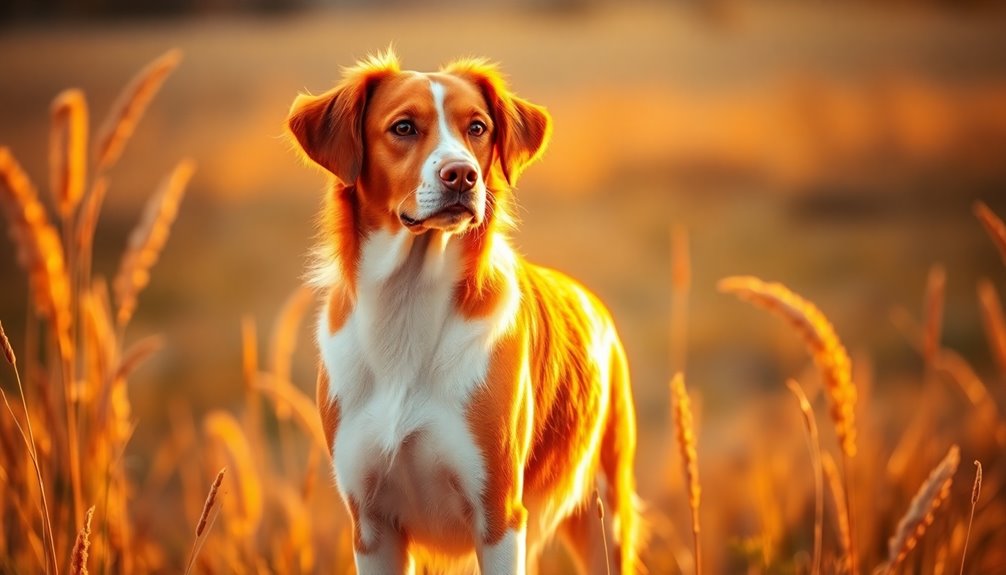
(475, 405)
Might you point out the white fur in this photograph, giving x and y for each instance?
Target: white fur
(389, 557)
(506, 556)
(403, 368)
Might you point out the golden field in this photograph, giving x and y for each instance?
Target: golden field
(838, 150)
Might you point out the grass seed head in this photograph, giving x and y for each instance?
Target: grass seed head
(68, 150)
(8, 351)
(829, 354)
(922, 510)
(78, 562)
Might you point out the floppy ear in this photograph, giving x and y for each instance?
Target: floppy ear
(522, 128)
(522, 133)
(329, 127)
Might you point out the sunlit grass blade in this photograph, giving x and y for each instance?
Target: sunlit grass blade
(132, 102)
(148, 239)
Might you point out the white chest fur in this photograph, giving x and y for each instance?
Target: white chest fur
(403, 368)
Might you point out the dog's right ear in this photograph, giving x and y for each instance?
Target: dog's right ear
(329, 128)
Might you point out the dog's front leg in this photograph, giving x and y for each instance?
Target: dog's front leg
(379, 548)
(501, 422)
(507, 556)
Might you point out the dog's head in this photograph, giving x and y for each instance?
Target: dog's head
(423, 150)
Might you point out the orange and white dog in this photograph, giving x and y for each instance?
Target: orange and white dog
(472, 402)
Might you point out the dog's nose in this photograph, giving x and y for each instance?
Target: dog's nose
(459, 176)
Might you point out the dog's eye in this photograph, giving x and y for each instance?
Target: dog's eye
(477, 128)
(404, 128)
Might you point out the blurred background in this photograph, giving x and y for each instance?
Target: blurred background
(836, 147)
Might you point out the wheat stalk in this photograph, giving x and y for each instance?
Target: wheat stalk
(599, 506)
(935, 295)
(992, 320)
(68, 150)
(225, 431)
(838, 501)
(994, 226)
(249, 351)
(211, 499)
(206, 519)
(30, 445)
(40, 251)
(78, 561)
(976, 492)
(289, 397)
(282, 342)
(283, 339)
(681, 278)
(921, 512)
(684, 426)
(828, 352)
(957, 368)
(830, 357)
(8, 350)
(88, 223)
(814, 445)
(137, 354)
(118, 127)
(148, 239)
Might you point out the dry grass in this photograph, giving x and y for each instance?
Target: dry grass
(120, 124)
(935, 294)
(922, 511)
(685, 433)
(838, 501)
(994, 226)
(814, 446)
(78, 561)
(277, 512)
(599, 505)
(39, 248)
(80, 403)
(68, 150)
(681, 280)
(206, 519)
(148, 239)
(976, 492)
(817, 332)
(832, 361)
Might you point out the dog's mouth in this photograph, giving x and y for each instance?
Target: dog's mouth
(448, 218)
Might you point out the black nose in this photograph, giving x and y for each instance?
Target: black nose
(459, 176)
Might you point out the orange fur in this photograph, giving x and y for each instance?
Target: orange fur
(340, 305)
(497, 417)
(329, 408)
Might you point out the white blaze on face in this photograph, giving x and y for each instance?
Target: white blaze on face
(430, 195)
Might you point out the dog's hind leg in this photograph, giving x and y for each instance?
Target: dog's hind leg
(616, 486)
(618, 454)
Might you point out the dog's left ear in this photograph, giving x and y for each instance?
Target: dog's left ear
(522, 128)
(329, 127)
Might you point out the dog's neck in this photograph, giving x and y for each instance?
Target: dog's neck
(356, 256)
(388, 260)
